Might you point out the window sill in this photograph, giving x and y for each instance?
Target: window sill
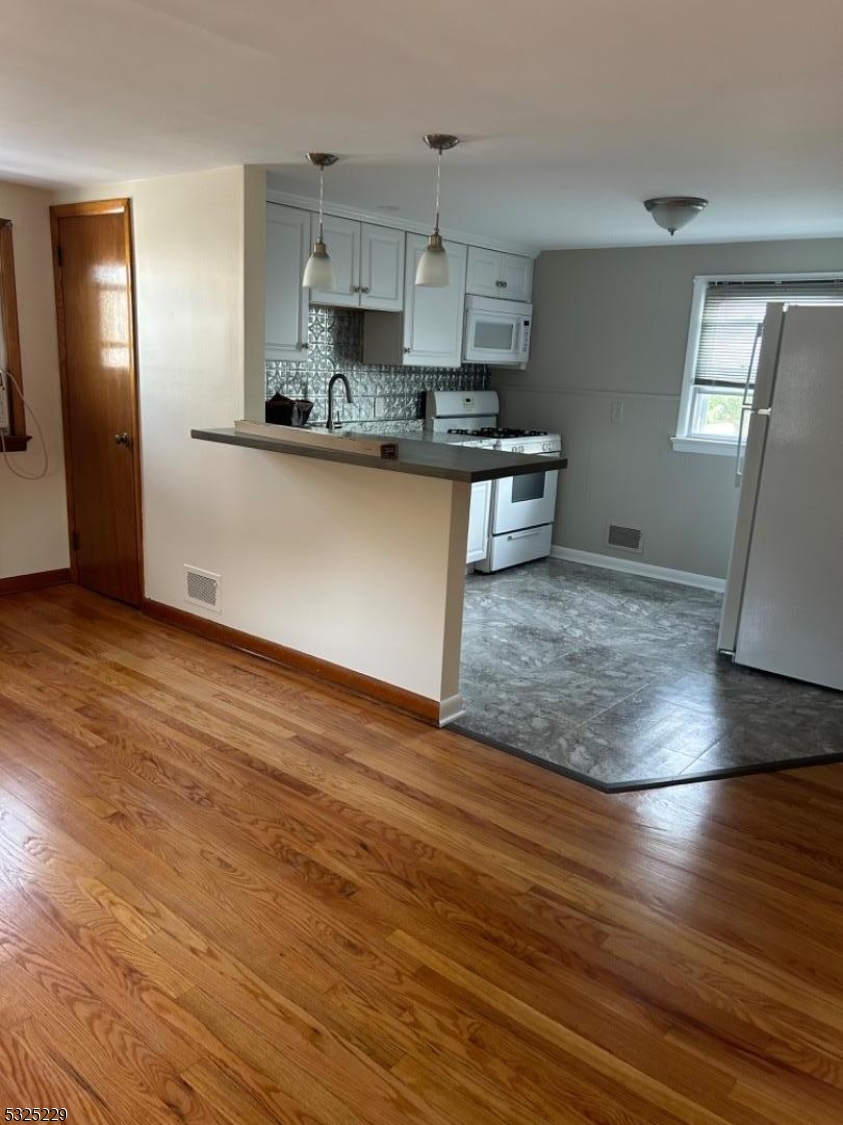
(704, 445)
(16, 444)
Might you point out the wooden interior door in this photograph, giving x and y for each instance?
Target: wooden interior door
(93, 274)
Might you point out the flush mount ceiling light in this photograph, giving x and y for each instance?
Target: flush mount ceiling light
(432, 270)
(672, 212)
(319, 271)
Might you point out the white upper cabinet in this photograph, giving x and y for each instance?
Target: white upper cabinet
(433, 318)
(484, 273)
(517, 277)
(430, 331)
(342, 237)
(368, 265)
(287, 251)
(381, 268)
(491, 273)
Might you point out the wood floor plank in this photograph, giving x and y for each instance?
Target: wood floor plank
(230, 894)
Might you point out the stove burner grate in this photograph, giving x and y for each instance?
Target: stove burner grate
(500, 432)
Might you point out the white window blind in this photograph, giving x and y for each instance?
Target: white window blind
(732, 313)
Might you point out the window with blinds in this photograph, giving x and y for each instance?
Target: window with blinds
(729, 344)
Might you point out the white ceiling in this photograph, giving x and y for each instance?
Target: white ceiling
(571, 114)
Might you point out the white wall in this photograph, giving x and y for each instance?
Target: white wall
(349, 564)
(613, 325)
(33, 514)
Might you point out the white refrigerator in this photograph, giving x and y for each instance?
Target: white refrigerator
(783, 607)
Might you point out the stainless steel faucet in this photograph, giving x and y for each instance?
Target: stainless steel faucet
(337, 378)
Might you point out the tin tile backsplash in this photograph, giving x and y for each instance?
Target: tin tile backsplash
(381, 394)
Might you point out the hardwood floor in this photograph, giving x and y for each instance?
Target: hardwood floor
(228, 895)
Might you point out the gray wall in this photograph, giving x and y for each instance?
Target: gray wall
(613, 325)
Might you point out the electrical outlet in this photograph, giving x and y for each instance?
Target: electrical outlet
(616, 412)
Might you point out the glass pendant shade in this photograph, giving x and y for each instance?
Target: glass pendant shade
(319, 271)
(673, 212)
(433, 270)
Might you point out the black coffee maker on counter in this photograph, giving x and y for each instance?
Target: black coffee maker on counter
(283, 411)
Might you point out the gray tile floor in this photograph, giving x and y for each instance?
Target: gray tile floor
(616, 678)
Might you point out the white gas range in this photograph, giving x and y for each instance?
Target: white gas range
(511, 519)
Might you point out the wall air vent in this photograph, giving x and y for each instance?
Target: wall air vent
(202, 588)
(625, 538)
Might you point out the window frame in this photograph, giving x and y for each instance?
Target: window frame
(683, 441)
(17, 439)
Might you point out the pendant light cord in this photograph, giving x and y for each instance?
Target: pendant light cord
(438, 186)
(321, 198)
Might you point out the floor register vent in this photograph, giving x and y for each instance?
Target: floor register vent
(203, 588)
(625, 538)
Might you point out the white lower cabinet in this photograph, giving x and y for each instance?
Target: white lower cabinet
(287, 251)
(478, 522)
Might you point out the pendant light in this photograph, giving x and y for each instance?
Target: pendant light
(672, 212)
(432, 270)
(319, 271)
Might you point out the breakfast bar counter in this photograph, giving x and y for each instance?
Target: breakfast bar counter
(443, 460)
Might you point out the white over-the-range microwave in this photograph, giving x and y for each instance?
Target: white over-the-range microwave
(497, 331)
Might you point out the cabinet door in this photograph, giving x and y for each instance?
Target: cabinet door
(484, 273)
(342, 237)
(382, 268)
(478, 522)
(517, 277)
(433, 318)
(287, 249)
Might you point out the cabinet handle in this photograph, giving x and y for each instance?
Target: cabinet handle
(503, 283)
(364, 288)
(407, 351)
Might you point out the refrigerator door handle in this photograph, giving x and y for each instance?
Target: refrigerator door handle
(746, 407)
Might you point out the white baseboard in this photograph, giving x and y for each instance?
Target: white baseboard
(647, 570)
(451, 709)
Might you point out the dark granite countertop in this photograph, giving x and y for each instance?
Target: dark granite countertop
(416, 456)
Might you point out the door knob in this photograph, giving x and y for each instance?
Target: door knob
(122, 439)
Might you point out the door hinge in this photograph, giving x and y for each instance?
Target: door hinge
(74, 539)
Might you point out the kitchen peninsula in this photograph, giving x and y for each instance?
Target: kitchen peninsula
(369, 559)
(446, 460)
